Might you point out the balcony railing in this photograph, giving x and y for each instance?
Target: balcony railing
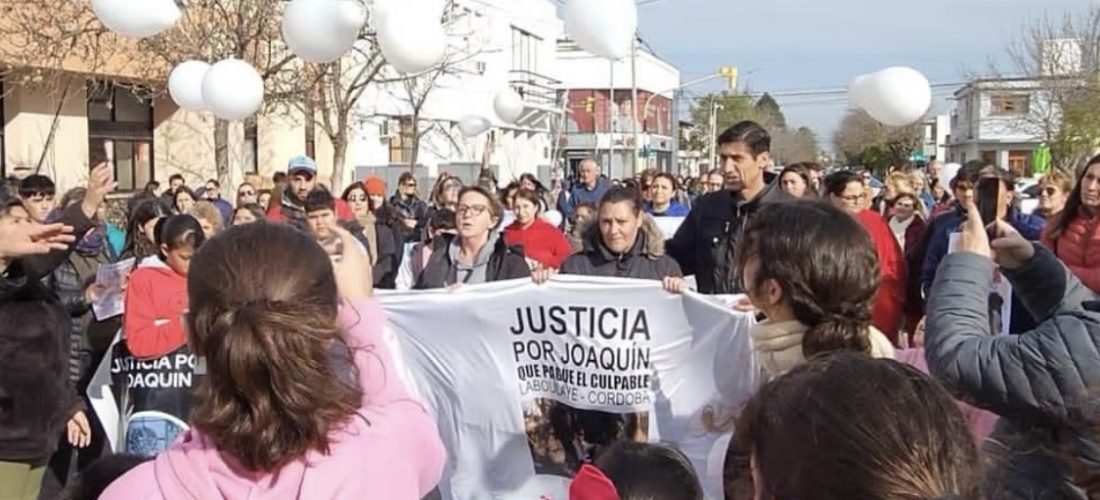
(536, 89)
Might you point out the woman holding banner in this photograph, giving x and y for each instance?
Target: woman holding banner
(301, 397)
(624, 242)
(477, 254)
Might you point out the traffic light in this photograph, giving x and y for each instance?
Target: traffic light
(730, 73)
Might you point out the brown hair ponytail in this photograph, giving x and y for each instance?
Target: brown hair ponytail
(264, 318)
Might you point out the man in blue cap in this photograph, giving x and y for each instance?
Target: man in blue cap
(302, 180)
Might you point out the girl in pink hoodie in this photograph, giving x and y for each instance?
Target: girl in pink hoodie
(301, 398)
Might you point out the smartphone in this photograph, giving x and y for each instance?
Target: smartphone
(988, 196)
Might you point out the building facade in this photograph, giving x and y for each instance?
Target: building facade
(493, 45)
(603, 120)
(937, 130)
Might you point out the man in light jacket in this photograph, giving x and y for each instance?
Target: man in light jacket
(1044, 383)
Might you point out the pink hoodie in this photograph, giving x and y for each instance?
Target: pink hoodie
(979, 421)
(390, 449)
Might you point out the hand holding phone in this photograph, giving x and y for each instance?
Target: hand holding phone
(989, 203)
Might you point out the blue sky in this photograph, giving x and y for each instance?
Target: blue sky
(814, 44)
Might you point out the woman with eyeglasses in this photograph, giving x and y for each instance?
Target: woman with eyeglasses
(1054, 189)
(1074, 236)
(477, 253)
(413, 210)
(246, 194)
(847, 191)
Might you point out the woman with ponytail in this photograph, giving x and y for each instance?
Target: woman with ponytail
(813, 272)
(301, 397)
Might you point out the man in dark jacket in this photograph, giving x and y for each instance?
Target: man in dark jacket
(1043, 383)
(37, 399)
(705, 243)
(288, 207)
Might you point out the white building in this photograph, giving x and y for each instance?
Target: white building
(998, 121)
(612, 133)
(494, 44)
(937, 130)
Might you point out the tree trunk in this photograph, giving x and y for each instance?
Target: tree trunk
(53, 131)
(221, 150)
(414, 155)
(339, 154)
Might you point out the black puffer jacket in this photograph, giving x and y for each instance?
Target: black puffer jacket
(1044, 383)
(645, 260)
(705, 243)
(36, 395)
(505, 263)
(89, 339)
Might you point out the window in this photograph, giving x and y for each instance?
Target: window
(1010, 104)
(251, 146)
(525, 48)
(401, 144)
(1019, 161)
(120, 131)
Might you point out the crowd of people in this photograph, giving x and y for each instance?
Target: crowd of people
(887, 376)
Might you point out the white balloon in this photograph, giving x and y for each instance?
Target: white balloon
(320, 31)
(472, 125)
(185, 85)
(896, 96)
(233, 89)
(857, 90)
(509, 105)
(137, 19)
(554, 217)
(605, 28)
(411, 41)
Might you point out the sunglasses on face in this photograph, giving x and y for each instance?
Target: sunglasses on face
(246, 193)
(1049, 191)
(357, 198)
(409, 184)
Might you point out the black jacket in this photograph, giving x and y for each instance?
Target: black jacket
(705, 243)
(388, 260)
(645, 260)
(505, 263)
(1042, 383)
(88, 338)
(36, 395)
(413, 208)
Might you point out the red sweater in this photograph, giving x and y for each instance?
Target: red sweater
(541, 242)
(890, 303)
(156, 298)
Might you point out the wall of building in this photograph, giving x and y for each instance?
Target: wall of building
(28, 118)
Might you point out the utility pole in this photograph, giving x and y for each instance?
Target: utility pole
(713, 132)
(634, 101)
(611, 123)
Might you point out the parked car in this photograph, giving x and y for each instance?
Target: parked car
(1027, 190)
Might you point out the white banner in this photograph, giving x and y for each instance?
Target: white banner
(526, 382)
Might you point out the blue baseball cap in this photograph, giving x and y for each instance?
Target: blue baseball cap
(301, 163)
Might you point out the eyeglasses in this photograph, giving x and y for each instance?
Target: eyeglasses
(470, 210)
(246, 193)
(357, 198)
(409, 184)
(1049, 191)
(855, 198)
